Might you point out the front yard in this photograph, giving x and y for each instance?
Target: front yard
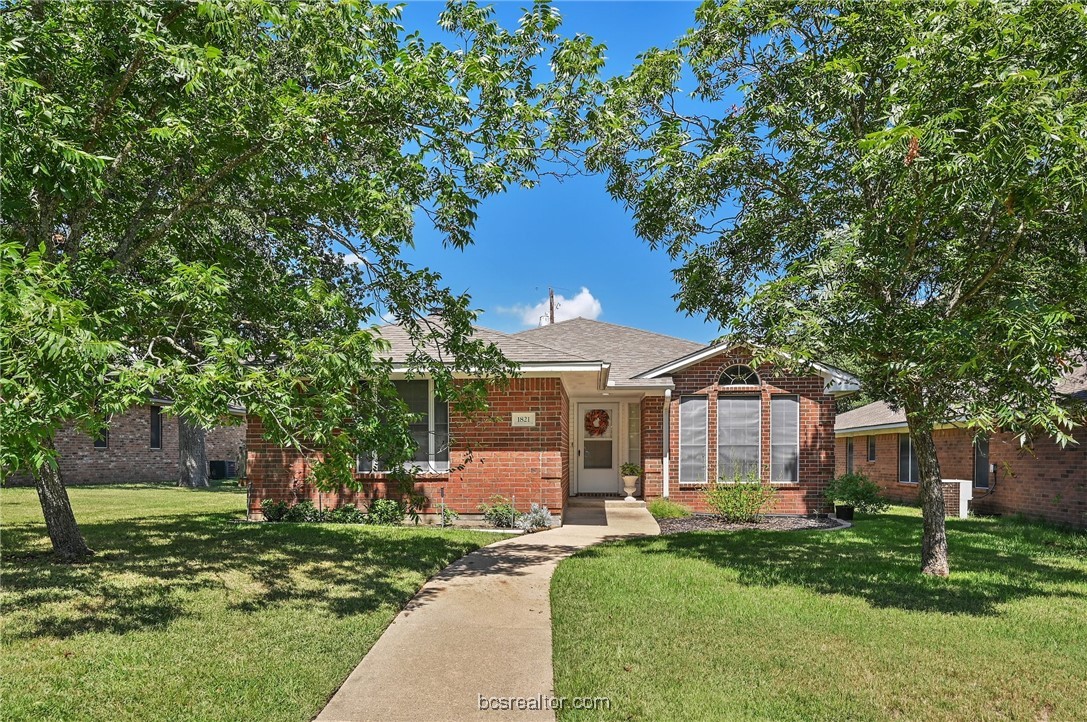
(186, 614)
(827, 625)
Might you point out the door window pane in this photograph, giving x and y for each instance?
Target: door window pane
(784, 438)
(738, 438)
(598, 453)
(692, 439)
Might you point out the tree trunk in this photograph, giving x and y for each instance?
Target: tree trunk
(68, 542)
(193, 454)
(934, 539)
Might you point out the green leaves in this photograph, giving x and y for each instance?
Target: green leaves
(897, 185)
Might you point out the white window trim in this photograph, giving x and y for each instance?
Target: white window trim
(909, 466)
(679, 437)
(432, 466)
(798, 455)
(717, 431)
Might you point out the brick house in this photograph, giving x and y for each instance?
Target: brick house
(997, 474)
(139, 445)
(591, 396)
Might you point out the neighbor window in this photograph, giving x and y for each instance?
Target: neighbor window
(907, 461)
(871, 448)
(692, 439)
(102, 440)
(429, 429)
(738, 426)
(849, 455)
(981, 462)
(156, 427)
(784, 438)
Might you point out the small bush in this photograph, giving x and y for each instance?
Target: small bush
(273, 509)
(347, 514)
(388, 512)
(304, 511)
(857, 491)
(741, 502)
(668, 509)
(537, 517)
(499, 513)
(630, 469)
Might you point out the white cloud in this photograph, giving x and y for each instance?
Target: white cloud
(351, 259)
(583, 304)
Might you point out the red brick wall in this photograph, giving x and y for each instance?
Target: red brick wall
(816, 433)
(527, 464)
(129, 457)
(653, 446)
(1047, 482)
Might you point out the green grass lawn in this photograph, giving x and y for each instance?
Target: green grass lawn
(827, 625)
(186, 614)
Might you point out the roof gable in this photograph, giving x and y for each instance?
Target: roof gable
(630, 351)
(838, 381)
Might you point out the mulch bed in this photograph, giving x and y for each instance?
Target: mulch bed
(706, 522)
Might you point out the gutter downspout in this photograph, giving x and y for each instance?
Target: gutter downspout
(667, 438)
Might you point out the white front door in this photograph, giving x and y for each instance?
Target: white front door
(597, 448)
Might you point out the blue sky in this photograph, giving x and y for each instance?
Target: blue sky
(568, 235)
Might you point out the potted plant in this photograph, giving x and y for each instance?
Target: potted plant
(630, 473)
(854, 492)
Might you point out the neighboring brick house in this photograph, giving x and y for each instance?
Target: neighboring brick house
(590, 396)
(1039, 479)
(140, 445)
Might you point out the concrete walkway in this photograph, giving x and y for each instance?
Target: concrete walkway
(481, 627)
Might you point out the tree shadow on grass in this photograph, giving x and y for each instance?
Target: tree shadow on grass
(878, 560)
(145, 568)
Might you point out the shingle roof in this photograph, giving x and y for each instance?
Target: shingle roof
(1073, 384)
(516, 349)
(630, 351)
(877, 413)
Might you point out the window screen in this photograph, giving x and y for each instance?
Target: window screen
(981, 462)
(692, 439)
(907, 461)
(738, 438)
(156, 427)
(784, 438)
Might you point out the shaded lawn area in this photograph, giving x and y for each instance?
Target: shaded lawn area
(827, 624)
(186, 614)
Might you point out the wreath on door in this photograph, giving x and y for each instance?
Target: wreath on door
(596, 422)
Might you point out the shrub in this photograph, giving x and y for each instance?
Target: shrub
(667, 509)
(537, 517)
(449, 516)
(856, 490)
(629, 469)
(273, 509)
(304, 511)
(386, 511)
(742, 501)
(499, 513)
(347, 514)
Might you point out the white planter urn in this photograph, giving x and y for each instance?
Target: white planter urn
(630, 483)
